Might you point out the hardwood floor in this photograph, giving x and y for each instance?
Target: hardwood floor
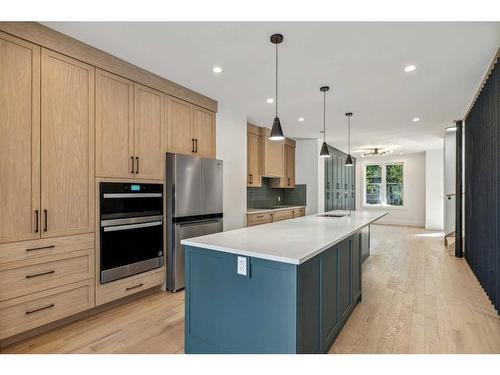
(416, 299)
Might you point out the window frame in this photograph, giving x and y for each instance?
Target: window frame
(383, 185)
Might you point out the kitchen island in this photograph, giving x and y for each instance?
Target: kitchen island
(285, 287)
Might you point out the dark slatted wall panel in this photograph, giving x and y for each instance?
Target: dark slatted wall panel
(482, 187)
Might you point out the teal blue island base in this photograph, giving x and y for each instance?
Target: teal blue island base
(278, 308)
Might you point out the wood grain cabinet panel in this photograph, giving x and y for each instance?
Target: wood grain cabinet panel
(204, 132)
(114, 133)
(258, 219)
(67, 144)
(24, 313)
(272, 155)
(288, 179)
(149, 112)
(253, 156)
(179, 128)
(19, 139)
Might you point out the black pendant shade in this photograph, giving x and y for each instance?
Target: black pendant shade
(276, 131)
(324, 153)
(348, 161)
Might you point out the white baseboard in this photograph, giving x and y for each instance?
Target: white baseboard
(401, 222)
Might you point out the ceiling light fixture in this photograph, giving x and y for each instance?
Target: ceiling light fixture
(324, 153)
(217, 69)
(348, 160)
(451, 128)
(270, 100)
(276, 131)
(410, 68)
(301, 119)
(376, 152)
(416, 119)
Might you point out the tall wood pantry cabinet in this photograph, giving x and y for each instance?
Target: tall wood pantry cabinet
(46, 142)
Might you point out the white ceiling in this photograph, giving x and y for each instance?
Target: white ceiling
(362, 62)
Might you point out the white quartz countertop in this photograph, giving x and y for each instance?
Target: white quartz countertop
(290, 241)
(262, 210)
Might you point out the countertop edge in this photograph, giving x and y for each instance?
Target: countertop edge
(277, 258)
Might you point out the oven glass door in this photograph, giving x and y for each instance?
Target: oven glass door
(130, 244)
(114, 206)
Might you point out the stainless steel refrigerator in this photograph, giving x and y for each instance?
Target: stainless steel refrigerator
(193, 207)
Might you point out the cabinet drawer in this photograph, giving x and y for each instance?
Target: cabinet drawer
(257, 219)
(283, 215)
(24, 313)
(28, 250)
(298, 212)
(121, 288)
(34, 278)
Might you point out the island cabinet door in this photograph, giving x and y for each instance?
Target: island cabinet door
(330, 296)
(356, 265)
(345, 280)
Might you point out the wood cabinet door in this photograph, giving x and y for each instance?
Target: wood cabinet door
(204, 132)
(253, 160)
(179, 128)
(114, 121)
(67, 145)
(273, 154)
(19, 139)
(149, 115)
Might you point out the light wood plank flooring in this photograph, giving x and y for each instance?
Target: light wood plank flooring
(416, 299)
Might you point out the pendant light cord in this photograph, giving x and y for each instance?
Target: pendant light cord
(276, 80)
(349, 135)
(324, 116)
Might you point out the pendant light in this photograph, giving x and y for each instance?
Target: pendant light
(324, 153)
(276, 131)
(348, 160)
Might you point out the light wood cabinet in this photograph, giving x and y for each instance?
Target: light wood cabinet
(259, 218)
(130, 122)
(67, 145)
(114, 133)
(253, 156)
(272, 155)
(288, 179)
(190, 129)
(19, 139)
(149, 112)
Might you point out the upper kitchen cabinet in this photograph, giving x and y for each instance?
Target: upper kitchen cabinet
(288, 179)
(114, 133)
(190, 129)
(253, 156)
(19, 139)
(272, 155)
(129, 128)
(149, 114)
(67, 145)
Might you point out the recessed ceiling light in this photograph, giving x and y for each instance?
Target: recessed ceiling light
(301, 119)
(410, 68)
(416, 119)
(217, 69)
(270, 100)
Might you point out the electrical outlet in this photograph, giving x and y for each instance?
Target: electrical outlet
(279, 198)
(242, 268)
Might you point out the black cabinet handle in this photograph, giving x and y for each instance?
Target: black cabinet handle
(192, 145)
(39, 309)
(36, 221)
(288, 181)
(196, 145)
(41, 248)
(132, 158)
(135, 286)
(136, 165)
(40, 274)
(45, 224)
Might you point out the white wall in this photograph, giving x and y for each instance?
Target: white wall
(413, 212)
(309, 170)
(449, 181)
(231, 138)
(434, 189)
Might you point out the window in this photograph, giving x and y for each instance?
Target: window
(384, 184)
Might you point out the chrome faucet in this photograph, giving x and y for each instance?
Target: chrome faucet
(343, 194)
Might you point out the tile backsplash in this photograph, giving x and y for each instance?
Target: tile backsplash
(268, 197)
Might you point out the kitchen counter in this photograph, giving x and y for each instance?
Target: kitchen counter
(290, 241)
(263, 210)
